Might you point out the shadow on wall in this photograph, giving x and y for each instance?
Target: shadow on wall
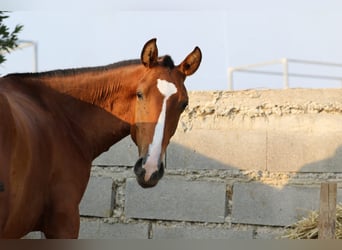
(180, 157)
(265, 198)
(332, 164)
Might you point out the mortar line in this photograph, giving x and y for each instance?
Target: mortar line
(149, 231)
(254, 232)
(266, 156)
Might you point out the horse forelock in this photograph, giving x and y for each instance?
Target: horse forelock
(167, 61)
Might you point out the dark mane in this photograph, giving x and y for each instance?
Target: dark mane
(165, 61)
(74, 71)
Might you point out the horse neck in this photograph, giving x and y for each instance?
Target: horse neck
(93, 128)
(110, 90)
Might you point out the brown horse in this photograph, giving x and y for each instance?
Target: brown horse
(53, 125)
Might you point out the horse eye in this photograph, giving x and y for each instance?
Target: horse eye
(140, 95)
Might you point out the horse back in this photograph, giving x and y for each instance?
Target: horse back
(7, 133)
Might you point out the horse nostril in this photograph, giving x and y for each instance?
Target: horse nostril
(156, 176)
(138, 169)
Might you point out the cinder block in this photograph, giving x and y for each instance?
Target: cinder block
(123, 153)
(303, 151)
(196, 232)
(100, 230)
(98, 199)
(218, 149)
(257, 203)
(177, 200)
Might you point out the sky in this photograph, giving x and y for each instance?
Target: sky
(229, 33)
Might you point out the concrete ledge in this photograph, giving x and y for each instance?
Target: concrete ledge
(100, 230)
(298, 143)
(98, 199)
(302, 151)
(177, 200)
(275, 130)
(218, 149)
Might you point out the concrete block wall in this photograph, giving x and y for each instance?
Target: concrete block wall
(242, 165)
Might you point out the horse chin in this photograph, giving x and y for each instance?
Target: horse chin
(140, 174)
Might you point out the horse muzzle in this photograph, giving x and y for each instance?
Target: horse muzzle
(147, 175)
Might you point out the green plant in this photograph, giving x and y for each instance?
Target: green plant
(8, 39)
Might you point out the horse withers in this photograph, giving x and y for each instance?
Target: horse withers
(54, 124)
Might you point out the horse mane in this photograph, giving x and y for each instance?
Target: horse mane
(165, 61)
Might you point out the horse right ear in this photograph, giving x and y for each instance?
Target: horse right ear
(149, 54)
(191, 62)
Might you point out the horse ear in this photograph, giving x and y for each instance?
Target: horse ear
(191, 62)
(149, 54)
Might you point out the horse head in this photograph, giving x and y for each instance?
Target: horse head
(160, 99)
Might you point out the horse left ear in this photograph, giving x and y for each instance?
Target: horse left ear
(191, 62)
(149, 54)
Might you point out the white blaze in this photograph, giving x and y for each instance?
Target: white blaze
(167, 89)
